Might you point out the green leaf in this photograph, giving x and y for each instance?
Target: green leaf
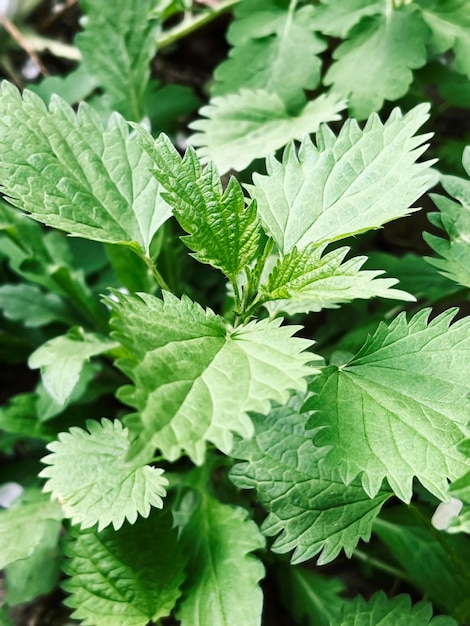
(30, 305)
(307, 501)
(386, 48)
(74, 87)
(454, 218)
(24, 526)
(127, 577)
(336, 18)
(20, 417)
(305, 281)
(71, 173)
(222, 231)
(412, 541)
(195, 377)
(274, 49)
(61, 360)
(93, 480)
(117, 45)
(399, 408)
(253, 124)
(4, 617)
(344, 185)
(221, 588)
(391, 612)
(449, 21)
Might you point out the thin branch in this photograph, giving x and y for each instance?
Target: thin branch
(16, 35)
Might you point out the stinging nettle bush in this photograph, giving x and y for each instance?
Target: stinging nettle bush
(198, 433)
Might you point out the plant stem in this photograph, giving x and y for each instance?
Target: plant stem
(381, 565)
(156, 274)
(192, 23)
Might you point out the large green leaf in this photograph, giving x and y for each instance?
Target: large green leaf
(344, 185)
(221, 588)
(70, 172)
(222, 230)
(307, 501)
(127, 577)
(399, 408)
(253, 124)
(89, 474)
(386, 48)
(454, 218)
(195, 377)
(117, 45)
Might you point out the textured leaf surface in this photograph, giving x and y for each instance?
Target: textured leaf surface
(89, 474)
(274, 49)
(344, 185)
(305, 281)
(22, 528)
(412, 541)
(71, 173)
(399, 408)
(117, 45)
(30, 305)
(126, 577)
(253, 124)
(223, 231)
(386, 48)
(336, 18)
(222, 585)
(394, 612)
(62, 359)
(307, 501)
(196, 377)
(454, 218)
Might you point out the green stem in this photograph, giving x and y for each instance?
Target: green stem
(193, 23)
(381, 565)
(155, 273)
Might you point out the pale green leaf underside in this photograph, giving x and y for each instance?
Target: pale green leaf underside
(222, 585)
(310, 507)
(195, 378)
(127, 577)
(28, 304)
(399, 408)
(117, 44)
(22, 529)
(71, 173)
(396, 611)
(222, 230)
(89, 474)
(454, 218)
(344, 185)
(336, 18)
(61, 360)
(253, 124)
(305, 281)
(274, 49)
(386, 49)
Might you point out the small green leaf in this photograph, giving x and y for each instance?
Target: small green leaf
(61, 360)
(336, 18)
(195, 377)
(400, 407)
(344, 185)
(127, 577)
(222, 585)
(89, 474)
(253, 124)
(20, 417)
(28, 304)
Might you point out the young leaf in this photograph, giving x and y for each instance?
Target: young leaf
(117, 45)
(344, 185)
(91, 477)
(20, 417)
(274, 49)
(222, 585)
(454, 218)
(253, 124)
(387, 48)
(71, 173)
(127, 577)
(33, 307)
(195, 378)
(305, 281)
(336, 18)
(399, 408)
(61, 360)
(307, 501)
(391, 612)
(222, 230)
